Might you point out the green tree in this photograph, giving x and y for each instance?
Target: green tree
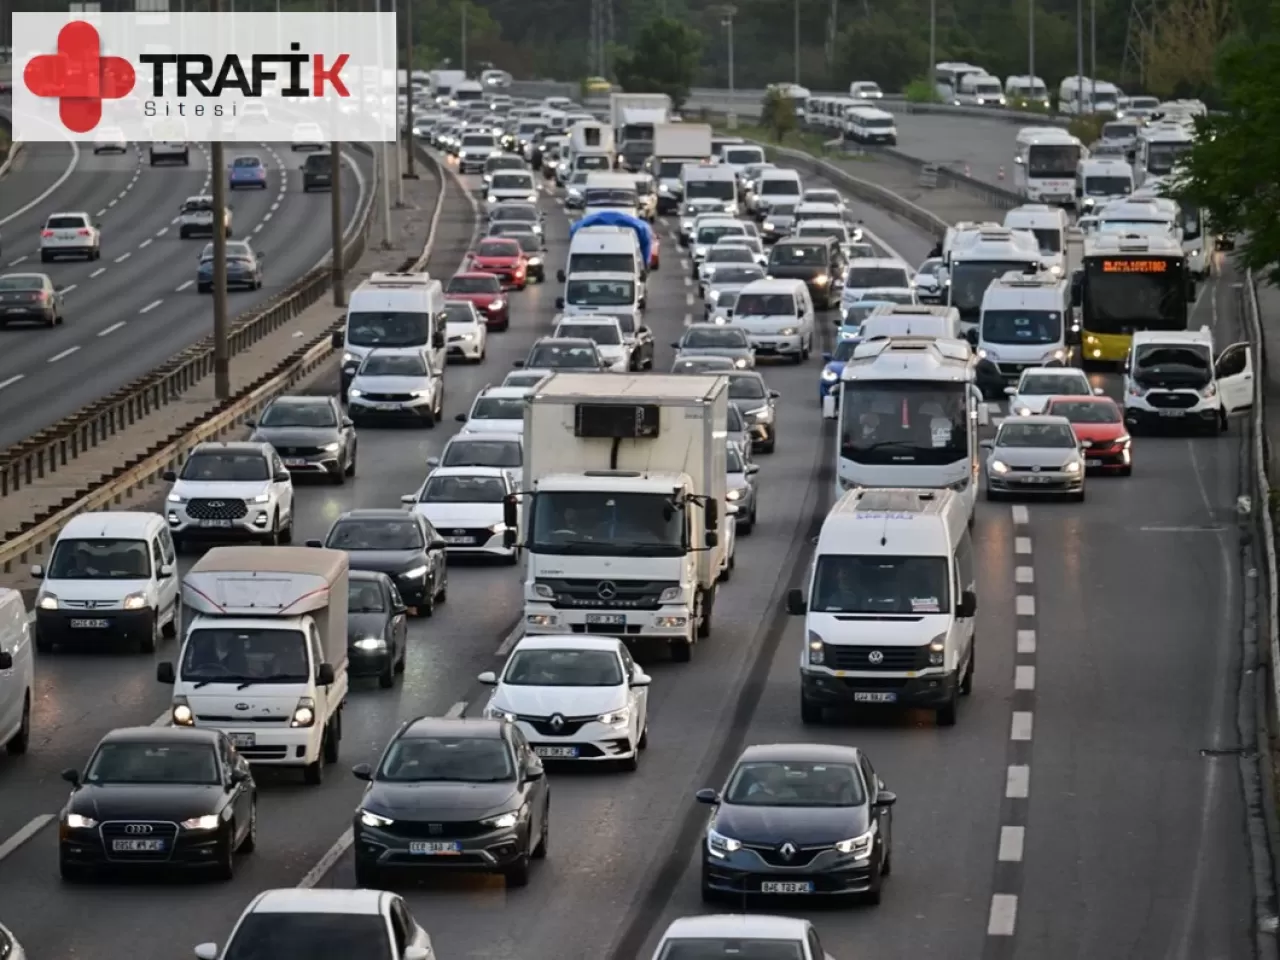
(1231, 170)
(778, 115)
(664, 59)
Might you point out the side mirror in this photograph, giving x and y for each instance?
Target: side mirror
(437, 340)
(986, 444)
(560, 275)
(509, 537)
(774, 395)
(251, 423)
(796, 603)
(324, 675)
(1010, 391)
(488, 678)
(707, 795)
(238, 777)
(968, 604)
(712, 510)
(438, 544)
(461, 418)
(886, 798)
(166, 571)
(207, 951)
(72, 776)
(433, 462)
(826, 356)
(165, 673)
(517, 364)
(348, 422)
(282, 476)
(751, 469)
(640, 679)
(415, 952)
(37, 571)
(559, 303)
(800, 312)
(675, 344)
(972, 336)
(362, 771)
(315, 543)
(534, 771)
(6, 660)
(1099, 392)
(169, 476)
(510, 512)
(338, 338)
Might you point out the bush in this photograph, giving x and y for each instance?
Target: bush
(921, 90)
(1088, 129)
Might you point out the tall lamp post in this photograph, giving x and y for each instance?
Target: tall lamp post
(726, 20)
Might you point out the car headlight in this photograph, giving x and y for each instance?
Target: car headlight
(1058, 354)
(938, 650)
(769, 226)
(763, 414)
(741, 362)
(860, 847)
(1209, 391)
(531, 198)
(730, 208)
(331, 447)
(670, 595)
(1072, 467)
(48, 601)
(181, 713)
(1022, 411)
(535, 261)
(370, 819)
(663, 188)
(985, 354)
(262, 498)
(371, 643)
(718, 845)
(135, 601)
(209, 821)
(498, 304)
(821, 280)
(714, 296)
(830, 376)
(733, 495)
(616, 718)
(787, 332)
(353, 392)
(76, 822)
(413, 573)
(1056, 270)
(998, 466)
(699, 251)
(503, 821)
(304, 714)
(176, 498)
(1123, 439)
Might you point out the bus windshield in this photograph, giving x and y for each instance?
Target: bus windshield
(1053, 160)
(1162, 157)
(909, 422)
(1123, 295)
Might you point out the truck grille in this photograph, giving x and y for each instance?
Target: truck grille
(870, 658)
(216, 509)
(299, 451)
(606, 594)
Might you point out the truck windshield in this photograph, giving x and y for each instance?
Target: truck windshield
(100, 559)
(903, 423)
(970, 279)
(602, 263)
(710, 190)
(600, 293)
(609, 197)
(906, 585)
(1021, 326)
(245, 655)
(384, 328)
(1053, 160)
(603, 523)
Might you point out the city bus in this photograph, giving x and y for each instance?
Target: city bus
(1129, 282)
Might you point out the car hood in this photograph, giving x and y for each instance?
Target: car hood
(493, 426)
(447, 516)
(684, 352)
(296, 436)
(1033, 402)
(113, 590)
(440, 801)
(479, 299)
(456, 330)
(1094, 432)
(386, 561)
(795, 271)
(802, 826)
(506, 263)
(568, 701)
(150, 801)
(1052, 457)
(366, 625)
(738, 481)
(391, 384)
(221, 489)
(1172, 377)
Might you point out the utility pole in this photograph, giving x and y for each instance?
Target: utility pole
(335, 223)
(1093, 40)
(1031, 44)
(933, 46)
(221, 325)
(727, 23)
(1080, 58)
(464, 36)
(410, 173)
(796, 29)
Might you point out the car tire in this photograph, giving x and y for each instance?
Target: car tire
(886, 865)
(182, 233)
(1125, 471)
(351, 467)
(768, 446)
(368, 876)
(21, 740)
(994, 496)
(331, 748)
(1078, 497)
(44, 256)
(387, 678)
(946, 714)
(966, 681)
(313, 773)
(338, 478)
(630, 764)
(747, 526)
(706, 608)
(517, 875)
(149, 643)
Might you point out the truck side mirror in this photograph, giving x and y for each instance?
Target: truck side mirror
(713, 517)
(968, 604)
(337, 338)
(324, 675)
(560, 275)
(164, 673)
(437, 340)
(559, 303)
(1077, 289)
(972, 336)
(796, 605)
(510, 512)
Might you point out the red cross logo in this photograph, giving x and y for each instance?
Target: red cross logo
(79, 76)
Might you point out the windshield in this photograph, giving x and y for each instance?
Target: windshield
(730, 253)
(1119, 131)
(139, 762)
(1163, 157)
(395, 365)
(798, 254)
(970, 279)
(483, 453)
(733, 459)
(460, 489)
(609, 197)
(1123, 295)
(865, 278)
(714, 335)
(498, 408)
(498, 248)
(1108, 186)
(515, 212)
(765, 305)
(601, 263)
(460, 311)
(225, 466)
(304, 936)
(881, 585)
(780, 211)
(904, 423)
(1053, 159)
(1050, 241)
(600, 293)
(747, 387)
(447, 759)
(372, 534)
(105, 559)
(1054, 385)
(733, 421)
(720, 948)
(388, 329)
(779, 187)
(564, 668)
(299, 413)
(512, 181)
(235, 251)
(602, 523)
(741, 156)
(474, 284)
(1085, 411)
(709, 236)
(1035, 435)
(245, 656)
(604, 334)
(364, 596)
(1021, 326)
(795, 784)
(737, 275)
(478, 140)
(65, 223)
(710, 190)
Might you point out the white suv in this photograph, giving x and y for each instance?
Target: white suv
(70, 235)
(196, 218)
(231, 491)
(1173, 378)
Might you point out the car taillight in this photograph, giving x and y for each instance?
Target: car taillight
(46, 233)
(84, 233)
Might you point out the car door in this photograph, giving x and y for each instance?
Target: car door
(534, 790)
(169, 586)
(13, 626)
(1234, 371)
(239, 794)
(163, 605)
(436, 556)
(283, 488)
(637, 697)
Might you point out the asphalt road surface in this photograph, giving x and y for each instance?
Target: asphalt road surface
(1133, 842)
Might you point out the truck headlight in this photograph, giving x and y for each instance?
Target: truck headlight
(304, 714)
(181, 713)
(670, 595)
(816, 650)
(938, 651)
(135, 601)
(544, 591)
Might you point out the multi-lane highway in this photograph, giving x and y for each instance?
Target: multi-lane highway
(137, 306)
(1078, 786)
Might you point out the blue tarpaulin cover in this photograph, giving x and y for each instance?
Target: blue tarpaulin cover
(613, 218)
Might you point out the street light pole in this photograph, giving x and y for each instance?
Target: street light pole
(1080, 58)
(1093, 40)
(727, 22)
(464, 36)
(410, 173)
(796, 28)
(933, 46)
(1031, 44)
(221, 325)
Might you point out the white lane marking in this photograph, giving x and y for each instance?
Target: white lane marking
(1017, 781)
(688, 319)
(1020, 513)
(14, 263)
(101, 212)
(123, 257)
(12, 380)
(266, 217)
(68, 288)
(275, 206)
(688, 281)
(688, 299)
(182, 286)
(120, 195)
(162, 231)
(112, 329)
(63, 355)
(1024, 677)
(1160, 529)
(75, 159)
(97, 273)
(151, 306)
(1024, 575)
(457, 710)
(509, 641)
(145, 243)
(112, 204)
(35, 825)
(1025, 606)
(326, 862)
(1011, 843)
(1003, 916)
(258, 228)
(1026, 641)
(1021, 544)
(175, 219)
(1020, 729)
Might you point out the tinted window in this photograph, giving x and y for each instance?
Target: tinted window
(247, 162)
(365, 596)
(716, 948)
(66, 223)
(453, 759)
(554, 356)
(746, 388)
(795, 784)
(798, 254)
(880, 585)
(475, 284)
(459, 311)
(605, 334)
(463, 490)
(498, 248)
(498, 408)
(716, 336)
(298, 413)
(512, 181)
(564, 668)
(481, 453)
(225, 466)
(157, 762)
(305, 936)
(1085, 411)
(1051, 435)
(394, 365)
(100, 560)
(22, 282)
(374, 535)
(765, 305)
(863, 278)
(1049, 384)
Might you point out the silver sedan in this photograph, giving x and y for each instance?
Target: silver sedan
(722, 286)
(717, 340)
(1035, 456)
(741, 486)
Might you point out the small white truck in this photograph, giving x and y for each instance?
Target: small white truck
(626, 525)
(674, 145)
(265, 654)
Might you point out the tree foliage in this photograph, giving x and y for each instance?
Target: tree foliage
(778, 115)
(664, 59)
(1231, 171)
(1179, 47)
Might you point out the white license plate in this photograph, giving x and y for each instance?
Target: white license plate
(556, 753)
(17, 309)
(435, 848)
(1093, 463)
(1037, 479)
(609, 619)
(388, 406)
(137, 846)
(1173, 413)
(215, 523)
(244, 739)
(295, 462)
(460, 541)
(90, 624)
(786, 886)
(875, 698)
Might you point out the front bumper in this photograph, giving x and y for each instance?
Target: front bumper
(255, 523)
(183, 849)
(324, 463)
(274, 746)
(471, 163)
(776, 345)
(464, 349)
(668, 622)
(394, 849)
(1029, 484)
(828, 689)
(593, 742)
(66, 625)
(419, 408)
(1200, 417)
(827, 873)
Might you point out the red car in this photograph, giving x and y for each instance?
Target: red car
(654, 258)
(502, 257)
(1099, 426)
(484, 290)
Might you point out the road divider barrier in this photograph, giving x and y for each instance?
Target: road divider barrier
(7, 129)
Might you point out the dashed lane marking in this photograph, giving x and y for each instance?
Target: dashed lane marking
(145, 243)
(101, 213)
(97, 273)
(26, 833)
(688, 299)
(1003, 917)
(1019, 513)
(113, 203)
(258, 228)
(123, 257)
(457, 710)
(326, 862)
(1020, 728)
(68, 288)
(1024, 575)
(1024, 677)
(1017, 781)
(1027, 642)
(151, 306)
(1025, 606)
(1022, 545)
(12, 380)
(112, 329)
(162, 231)
(14, 263)
(182, 286)
(63, 355)
(1011, 842)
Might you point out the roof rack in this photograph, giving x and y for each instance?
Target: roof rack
(391, 279)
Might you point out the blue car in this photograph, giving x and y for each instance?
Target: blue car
(248, 172)
(834, 366)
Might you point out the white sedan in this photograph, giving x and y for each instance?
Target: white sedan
(574, 698)
(1038, 385)
(466, 504)
(496, 410)
(110, 140)
(466, 335)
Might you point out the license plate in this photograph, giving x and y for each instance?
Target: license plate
(460, 541)
(786, 886)
(875, 698)
(215, 523)
(137, 846)
(90, 624)
(244, 739)
(388, 406)
(1173, 413)
(1037, 479)
(556, 753)
(611, 619)
(1093, 463)
(17, 309)
(295, 462)
(435, 848)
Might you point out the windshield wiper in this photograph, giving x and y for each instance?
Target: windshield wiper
(270, 678)
(228, 679)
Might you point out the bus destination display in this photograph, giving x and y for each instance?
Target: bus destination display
(1135, 266)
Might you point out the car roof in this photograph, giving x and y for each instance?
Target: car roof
(378, 575)
(396, 352)
(474, 275)
(566, 642)
(513, 393)
(1046, 371)
(1039, 419)
(1088, 399)
(19, 276)
(231, 446)
(586, 319)
(753, 926)
(206, 735)
(467, 472)
(478, 727)
(830, 752)
(494, 437)
(310, 900)
(373, 513)
(568, 341)
(109, 524)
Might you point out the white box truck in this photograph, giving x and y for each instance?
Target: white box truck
(635, 117)
(591, 147)
(674, 145)
(625, 521)
(265, 654)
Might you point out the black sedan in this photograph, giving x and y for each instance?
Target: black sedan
(402, 545)
(29, 298)
(452, 794)
(377, 628)
(158, 797)
(798, 819)
(312, 435)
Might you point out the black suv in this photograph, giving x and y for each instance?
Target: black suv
(818, 261)
(317, 172)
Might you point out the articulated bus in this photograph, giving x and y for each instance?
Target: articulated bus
(1128, 283)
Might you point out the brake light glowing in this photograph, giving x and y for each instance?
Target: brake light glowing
(46, 233)
(84, 233)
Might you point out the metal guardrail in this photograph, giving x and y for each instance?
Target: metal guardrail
(168, 454)
(45, 452)
(7, 127)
